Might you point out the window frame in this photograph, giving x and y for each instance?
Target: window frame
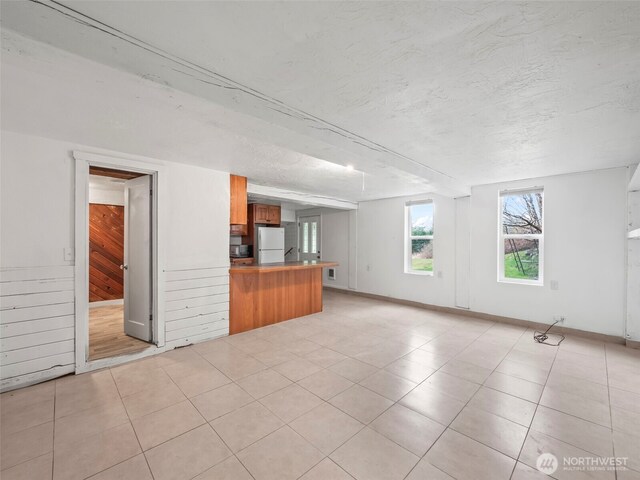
(524, 236)
(408, 237)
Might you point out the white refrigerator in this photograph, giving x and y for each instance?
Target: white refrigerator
(270, 244)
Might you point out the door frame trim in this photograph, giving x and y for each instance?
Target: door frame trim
(83, 160)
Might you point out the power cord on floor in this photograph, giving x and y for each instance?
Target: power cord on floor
(541, 337)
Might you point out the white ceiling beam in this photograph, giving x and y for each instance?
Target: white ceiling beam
(65, 28)
(273, 193)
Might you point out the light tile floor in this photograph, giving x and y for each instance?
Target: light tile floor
(367, 390)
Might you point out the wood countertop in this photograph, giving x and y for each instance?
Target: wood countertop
(280, 267)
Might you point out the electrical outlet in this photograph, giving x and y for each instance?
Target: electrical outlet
(559, 318)
(554, 285)
(439, 273)
(68, 254)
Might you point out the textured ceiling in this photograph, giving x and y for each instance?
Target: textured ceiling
(50, 93)
(455, 93)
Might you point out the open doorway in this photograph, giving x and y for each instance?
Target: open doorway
(120, 262)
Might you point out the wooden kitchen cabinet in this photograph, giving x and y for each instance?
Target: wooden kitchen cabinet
(239, 229)
(274, 215)
(266, 214)
(261, 295)
(238, 201)
(260, 213)
(242, 261)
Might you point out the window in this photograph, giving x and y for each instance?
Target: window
(309, 239)
(521, 241)
(305, 237)
(419, 238)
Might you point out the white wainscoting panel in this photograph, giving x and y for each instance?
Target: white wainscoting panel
(36, 324)
(196, 305)
(37, 318)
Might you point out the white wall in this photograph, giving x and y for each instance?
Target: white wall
(380, 247)
(337, 243)
(198, 217)
(287, 215)
(584, 251)
(585, 229)
(37, 209)
(335, 236)
(463, 250)
(291, 240)
(633, 263)
(37, 201)
(37, 206)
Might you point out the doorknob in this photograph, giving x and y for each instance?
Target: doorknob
(124, 267)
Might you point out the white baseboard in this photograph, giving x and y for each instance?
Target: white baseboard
(106, 303)
(27, 379)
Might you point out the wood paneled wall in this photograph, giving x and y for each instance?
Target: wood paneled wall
(106, 252)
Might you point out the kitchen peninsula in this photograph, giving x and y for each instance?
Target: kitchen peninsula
(262, 295)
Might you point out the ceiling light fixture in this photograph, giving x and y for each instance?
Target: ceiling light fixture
(350, 168)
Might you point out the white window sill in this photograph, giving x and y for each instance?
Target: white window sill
(532, 283)
(419, 273)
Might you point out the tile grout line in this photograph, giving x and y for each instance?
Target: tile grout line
(448, 426)
(207, 422)
(132, 428)
(475, 342)
(580, 418)
(111, 428)
(613, 444)
(534, 413)
(53, 445)
(364, 425)
(322, 368)
(287, 424)
(435, 371)
(233, 454)
(431, 374)
(537, 404)
(185, 432)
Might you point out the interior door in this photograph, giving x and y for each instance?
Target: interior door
(309, 235)
(137, 258)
